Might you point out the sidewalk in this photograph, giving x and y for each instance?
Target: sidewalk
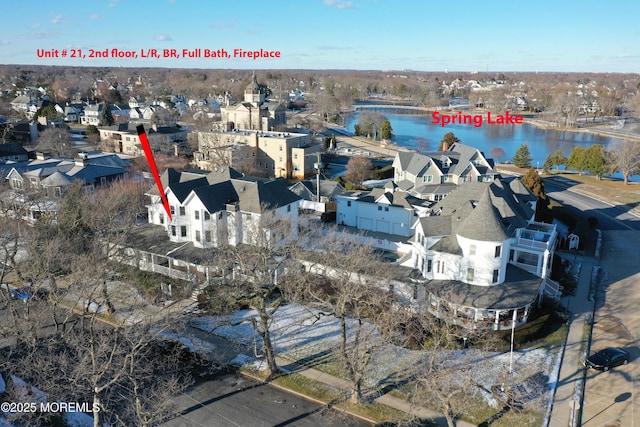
(390, 401)
(569, 385)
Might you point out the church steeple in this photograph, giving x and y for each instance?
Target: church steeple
(253, 93)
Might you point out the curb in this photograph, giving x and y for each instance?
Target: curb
(309, 398)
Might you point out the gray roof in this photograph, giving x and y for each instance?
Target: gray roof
(459, 155)
(448, 244)
(57, 179)
(500, 213)
(436, 225)
(217, 188)
(307, 188)
(12, 150)
(519, 289)
(484, 222)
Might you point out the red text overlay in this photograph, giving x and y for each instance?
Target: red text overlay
(477, 120)
(118, 53)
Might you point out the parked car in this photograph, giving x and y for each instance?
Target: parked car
(328, 216)
(607, 358)
(27, 293)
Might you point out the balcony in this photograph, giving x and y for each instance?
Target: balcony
(536, 235)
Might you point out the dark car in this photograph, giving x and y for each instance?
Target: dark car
(328, 216)
(607, 359)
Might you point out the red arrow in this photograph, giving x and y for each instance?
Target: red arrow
(152, 165)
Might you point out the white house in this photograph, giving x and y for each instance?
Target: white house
(378, 210)
(433, 175)
(211, 209)
(485, 259)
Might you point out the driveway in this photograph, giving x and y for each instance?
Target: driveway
(611, 398)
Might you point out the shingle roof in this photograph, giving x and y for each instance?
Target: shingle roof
(483, 223)
(216, 189)
(519, 289)
(12, 150)
(57, 179)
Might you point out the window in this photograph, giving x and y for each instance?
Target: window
(379, 208)
(207, 217)
(349, 203)
(173, 230)
(429, 266)
(288, 208)
(427, 178)
(528, 258)
(295, 156)
(470, 274)
(219, 215)
(103, 181)
(172, 209)
(196, 214)
(183, 211)
(386, 209)
(183, 230)
(437, 266)
(498, 251)
(496, 276)
(197, 235)
(207, 236)
(161, 218)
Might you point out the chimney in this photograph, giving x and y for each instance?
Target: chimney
(445, 146)
(42, 156)
(82, 160)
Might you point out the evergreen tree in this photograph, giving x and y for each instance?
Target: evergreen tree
(449, 139)
(595, 160)
(556, 159)
(386, 132)
(534, 183)
(106, 118)
(576, 160)
(522, 158)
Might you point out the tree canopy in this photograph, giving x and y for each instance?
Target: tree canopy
(106, 118)
(556, 159)
(448, 139)
(522, 157)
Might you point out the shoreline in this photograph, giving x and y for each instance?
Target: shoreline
(543, 124)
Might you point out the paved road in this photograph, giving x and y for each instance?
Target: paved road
(609, 217)
(233, 400)
(612, 398)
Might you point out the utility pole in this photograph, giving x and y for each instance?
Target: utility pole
(318, 166)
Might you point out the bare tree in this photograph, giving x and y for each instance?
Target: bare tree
(57, 142)
(345, 281)
(359, 169)
(624, 156)
(250, 273)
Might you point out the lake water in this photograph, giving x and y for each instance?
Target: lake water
(406, 128)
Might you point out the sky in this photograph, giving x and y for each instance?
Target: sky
(424, 35)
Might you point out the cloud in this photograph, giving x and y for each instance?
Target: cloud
(94, 16)
(58, 19)
(114, 3)
(36, 25)
(4, 42)
(222, 24)
(162, 38)
(340, 4)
